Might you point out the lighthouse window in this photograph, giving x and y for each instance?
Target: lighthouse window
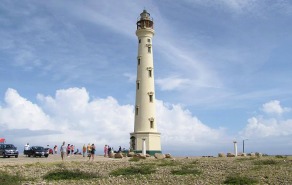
(148, 40)
(151, 124)
(151, 98)
(136, 111)
(150, 73)
(138, 85)
(149, 49)
(139, 61)
(139, 40)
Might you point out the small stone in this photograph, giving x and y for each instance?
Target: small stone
(119, 155)
(159, 156)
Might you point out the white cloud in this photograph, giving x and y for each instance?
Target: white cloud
(262, 127)
(274, 107)
(172, 83)
(181, 129)
(73, 117)
(258, 127)
(20, 113)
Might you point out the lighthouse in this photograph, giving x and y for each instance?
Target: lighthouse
(145, 138)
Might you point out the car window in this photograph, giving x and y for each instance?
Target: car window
(9, 146)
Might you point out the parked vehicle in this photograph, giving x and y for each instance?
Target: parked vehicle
(37, 151)
(7, 150)
(49, 150)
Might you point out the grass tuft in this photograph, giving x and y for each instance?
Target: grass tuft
(69, 175)
(245, 159)
(168, 163)
(134, 159)
(265, 162)
(143, 170)
(8, 179)
(236, 179)
(186, 171)
(281, 156)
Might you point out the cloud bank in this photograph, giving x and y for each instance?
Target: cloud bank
(71, 115)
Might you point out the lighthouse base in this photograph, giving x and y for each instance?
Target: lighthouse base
(152, 140)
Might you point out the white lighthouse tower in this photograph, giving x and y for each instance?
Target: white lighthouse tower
(145, 137)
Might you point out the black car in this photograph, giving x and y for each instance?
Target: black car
(7, 150)
(37, 151)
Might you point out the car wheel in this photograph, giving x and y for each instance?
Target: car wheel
(28, 155)
(16, 156)
(4, 156)
(8, 156)
(46, 155)
(34, 155)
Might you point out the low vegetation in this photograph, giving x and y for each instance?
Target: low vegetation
(133, 170)
(78, 170)
(265, 162)
(9, 179)
(239, 180)
(69, 175)
(186, 171)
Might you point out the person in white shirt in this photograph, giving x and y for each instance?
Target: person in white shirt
(26, 147)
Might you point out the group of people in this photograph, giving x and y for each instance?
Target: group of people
(88, 150)
(108, 150)
(69, 149)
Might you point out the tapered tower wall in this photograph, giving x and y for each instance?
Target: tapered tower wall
(145, 126)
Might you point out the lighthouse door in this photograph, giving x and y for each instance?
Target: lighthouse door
(133, 143)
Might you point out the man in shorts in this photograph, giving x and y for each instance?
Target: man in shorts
(63, 150)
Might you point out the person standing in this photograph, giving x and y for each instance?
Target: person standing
(63, 150)
(109, 150)
(26, 148)
(68, 150)
(72, 149)
(105, 150)
(84, 150)
(55, 149)
(88, 149)
(92, 152)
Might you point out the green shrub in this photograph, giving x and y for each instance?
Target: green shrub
(236, 179)
(168, 163)
(8, 179)
(186, 171)
(69, 174)
(265, 162)
(133, 171)
(134, 159)
(281, 156)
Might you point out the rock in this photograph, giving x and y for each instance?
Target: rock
(258, 154)
(131, 154)
(159, 156)
(230, 155)
(124, 154)
(119, 155)
(140, 156)
(148, 155)
(111, 155)
(221, 155)
(252, 154)
(168, 156)
(243, 154)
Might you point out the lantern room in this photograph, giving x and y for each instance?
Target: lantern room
(144, 21)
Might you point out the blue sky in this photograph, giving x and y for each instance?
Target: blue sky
(222, 73)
